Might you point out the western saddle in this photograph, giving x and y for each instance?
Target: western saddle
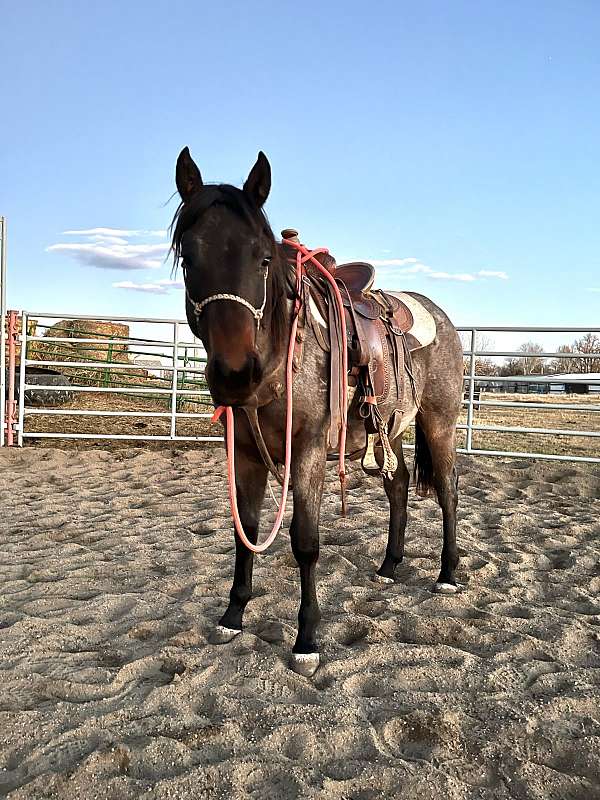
(378, 326)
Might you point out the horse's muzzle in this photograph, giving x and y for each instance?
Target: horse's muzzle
(233, 386)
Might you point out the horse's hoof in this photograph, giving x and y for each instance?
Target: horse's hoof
(444, 588)
(224, 635)
(305, 664)
(382, 579)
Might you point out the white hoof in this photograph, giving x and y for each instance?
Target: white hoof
(444, 588)
(382, 579)
(224, 635)
(305, 664)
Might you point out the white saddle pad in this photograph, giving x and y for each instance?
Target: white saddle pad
(423, 328)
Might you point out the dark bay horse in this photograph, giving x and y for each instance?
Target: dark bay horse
(226, 247)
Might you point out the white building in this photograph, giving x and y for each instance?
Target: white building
(575, 383)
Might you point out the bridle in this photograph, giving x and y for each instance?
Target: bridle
(258, 313)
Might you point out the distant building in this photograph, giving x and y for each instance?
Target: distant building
(575, 383)
(513, 384)
(569, 383)
(153, 366)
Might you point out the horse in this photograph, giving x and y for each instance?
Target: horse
(227, 250)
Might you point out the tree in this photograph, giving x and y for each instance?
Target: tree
(483, 365)
(562, 365)
(532, 364)
(512, 366)
(589, 344)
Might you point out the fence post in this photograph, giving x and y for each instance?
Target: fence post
(10, 394)
(4, 322)
(22, 376)
(174, 380)
(471, 391)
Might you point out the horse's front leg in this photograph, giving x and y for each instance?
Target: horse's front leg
(251, 480)
(308, 476)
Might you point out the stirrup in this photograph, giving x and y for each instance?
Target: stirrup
(368, 461)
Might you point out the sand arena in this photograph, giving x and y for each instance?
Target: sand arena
(116, 564)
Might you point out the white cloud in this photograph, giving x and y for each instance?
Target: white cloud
(157, 287)
(412, 266)
(114, 256)
(490, 273)
(128, 234)
(112, 248)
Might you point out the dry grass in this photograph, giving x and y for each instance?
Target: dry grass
(151, 426)
(561, 419)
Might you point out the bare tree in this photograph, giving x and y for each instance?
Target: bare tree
(562, 365)
(589, 344)
(532, 364)
(512, 366)
(483, 365)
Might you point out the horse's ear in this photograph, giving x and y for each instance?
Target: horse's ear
(187, 175)
(258, 183)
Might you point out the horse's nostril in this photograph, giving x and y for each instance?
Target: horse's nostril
(221, 367)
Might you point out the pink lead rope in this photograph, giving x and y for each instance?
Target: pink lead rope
(302, 256)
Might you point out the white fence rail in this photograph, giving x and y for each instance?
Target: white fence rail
(179, 396)
(171, 354)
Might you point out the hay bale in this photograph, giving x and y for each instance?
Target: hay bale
(113, 350)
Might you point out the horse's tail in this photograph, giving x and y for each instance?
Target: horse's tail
(423, 465)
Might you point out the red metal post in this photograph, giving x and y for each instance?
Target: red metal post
(11, 405)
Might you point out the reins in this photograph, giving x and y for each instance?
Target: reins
(303, 255)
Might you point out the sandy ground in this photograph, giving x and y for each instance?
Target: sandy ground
(115, 565)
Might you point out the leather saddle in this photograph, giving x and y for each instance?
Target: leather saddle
(376, 323)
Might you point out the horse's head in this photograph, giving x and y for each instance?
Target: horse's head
(226, 247)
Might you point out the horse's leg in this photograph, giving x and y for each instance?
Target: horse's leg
(308, 476)
(251, 480)
(441, 440)
(397, 492)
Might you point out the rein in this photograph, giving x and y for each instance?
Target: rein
(303, 255)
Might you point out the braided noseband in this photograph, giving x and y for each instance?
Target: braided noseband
(257, 313)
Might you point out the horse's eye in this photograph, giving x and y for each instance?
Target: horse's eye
(266, 261)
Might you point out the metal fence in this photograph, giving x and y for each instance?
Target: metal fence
(172, 390)
(92, 366)
(473, 380)
(2, 329)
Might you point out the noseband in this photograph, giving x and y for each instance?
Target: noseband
(257, 313)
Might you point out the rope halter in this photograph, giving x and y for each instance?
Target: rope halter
(257, 313)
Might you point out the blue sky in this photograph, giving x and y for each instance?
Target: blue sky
(456, 141)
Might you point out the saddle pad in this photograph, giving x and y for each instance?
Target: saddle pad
(423, 327)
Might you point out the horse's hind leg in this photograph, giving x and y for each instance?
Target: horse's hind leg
(440, 437)
(250, 487)
(397, 493)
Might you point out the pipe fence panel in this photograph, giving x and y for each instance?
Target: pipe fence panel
(84, 377)
(100, 378)
(3, 371)
(499, 422)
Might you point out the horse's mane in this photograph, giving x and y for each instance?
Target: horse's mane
(187, 214)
